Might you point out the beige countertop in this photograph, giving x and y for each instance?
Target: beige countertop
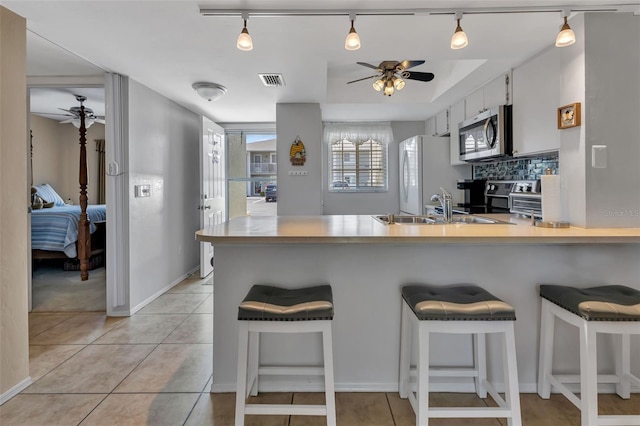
(352, 229)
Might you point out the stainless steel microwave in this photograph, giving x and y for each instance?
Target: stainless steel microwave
(486, 136)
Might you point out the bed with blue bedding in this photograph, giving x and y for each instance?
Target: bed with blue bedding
(56, 228)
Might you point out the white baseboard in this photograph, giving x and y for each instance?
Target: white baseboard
(15, 390)
(162, 291)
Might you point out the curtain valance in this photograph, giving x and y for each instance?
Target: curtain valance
(358, 132)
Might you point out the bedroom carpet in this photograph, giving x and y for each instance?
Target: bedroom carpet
(56, 290)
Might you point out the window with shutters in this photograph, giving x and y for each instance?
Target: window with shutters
(357, 167)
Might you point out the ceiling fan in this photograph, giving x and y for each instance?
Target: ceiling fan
(392, 75)
(73, 114)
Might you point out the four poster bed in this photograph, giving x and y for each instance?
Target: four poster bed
(60, 230)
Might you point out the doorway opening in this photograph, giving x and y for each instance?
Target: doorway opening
(252, 172)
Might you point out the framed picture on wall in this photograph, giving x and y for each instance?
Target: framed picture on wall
(569, 116)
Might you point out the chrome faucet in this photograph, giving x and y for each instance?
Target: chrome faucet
(445, 202)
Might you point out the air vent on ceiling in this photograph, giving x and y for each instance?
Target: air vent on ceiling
(272, 80)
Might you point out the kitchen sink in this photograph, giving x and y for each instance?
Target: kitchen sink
(438, 220)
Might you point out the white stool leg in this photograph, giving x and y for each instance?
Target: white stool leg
(588, 376)
(480, 363)
(422, 394)
(241, 381)
(405, 351)
(329, 387)
(254, 362)
(512, 391)
(623, 365)
(545, 358)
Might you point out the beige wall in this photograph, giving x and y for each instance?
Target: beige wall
(14, 330)
(56, 153)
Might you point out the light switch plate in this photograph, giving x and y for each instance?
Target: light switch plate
(297, 172)
(143, 190)
(599, 156)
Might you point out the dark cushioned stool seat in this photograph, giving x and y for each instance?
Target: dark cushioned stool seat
(458, 302)
(605, 303)
(264, 302)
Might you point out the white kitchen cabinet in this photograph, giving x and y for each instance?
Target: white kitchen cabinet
(456, 115)
(430, 126)
(442, 123)
(536, 91)
(496, 92)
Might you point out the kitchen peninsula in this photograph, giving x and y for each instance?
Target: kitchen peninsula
(367, 262)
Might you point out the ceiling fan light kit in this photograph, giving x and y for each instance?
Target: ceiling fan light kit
(209, 91)
(393, 75)
(352, 42)
(566, 36)
(459, 39)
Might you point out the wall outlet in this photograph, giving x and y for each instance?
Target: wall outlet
(297, 172)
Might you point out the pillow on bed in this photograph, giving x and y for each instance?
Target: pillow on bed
(49, 194)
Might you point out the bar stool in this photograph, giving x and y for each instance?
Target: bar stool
(459, 309)
(268, 309)
(612, 309)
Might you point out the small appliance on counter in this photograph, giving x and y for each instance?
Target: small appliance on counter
(474, 201)
(526, 198)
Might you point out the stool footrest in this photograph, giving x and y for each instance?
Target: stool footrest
(290, 371)
(619, 420)
(464, 412)
(284, 409)
(453, 372)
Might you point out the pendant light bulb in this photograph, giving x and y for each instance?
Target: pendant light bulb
(352, 42)
(398, 83)
(378, 85)
(566, 36)
(244, 39)
(459, 39)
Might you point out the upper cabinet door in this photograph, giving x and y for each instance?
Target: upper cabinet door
(474, 103)
(456, 115)
(536, 89)
(498, 91)
(442, 123)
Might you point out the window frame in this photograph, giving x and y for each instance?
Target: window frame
(384, 158)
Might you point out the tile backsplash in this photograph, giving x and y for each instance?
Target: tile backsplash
(521, 169)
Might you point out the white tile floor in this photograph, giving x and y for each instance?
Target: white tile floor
(154, 368)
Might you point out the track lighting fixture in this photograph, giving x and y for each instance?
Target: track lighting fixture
(244, 39)
(352, 42)
(459, 39)
(566, 36)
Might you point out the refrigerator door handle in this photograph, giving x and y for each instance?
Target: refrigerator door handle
(405, 175)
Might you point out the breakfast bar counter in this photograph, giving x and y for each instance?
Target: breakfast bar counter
(367, 262)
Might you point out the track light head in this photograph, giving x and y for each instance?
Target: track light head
(459, 39)
(244, 42)
(566, 36)
(352, 42)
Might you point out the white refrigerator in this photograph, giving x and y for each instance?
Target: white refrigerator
(424, 168)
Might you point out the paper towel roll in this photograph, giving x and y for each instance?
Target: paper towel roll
(551, 201)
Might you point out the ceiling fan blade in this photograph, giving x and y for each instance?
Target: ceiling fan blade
(365, 78)
(406, 64)
(69, 120)
(100, 120)
(51, 113)
(66, 110)
(421, 76)
(364, 64)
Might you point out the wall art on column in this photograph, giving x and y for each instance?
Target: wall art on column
(297, 153)
(569, 116)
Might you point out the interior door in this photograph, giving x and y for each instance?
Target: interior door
(212, 186)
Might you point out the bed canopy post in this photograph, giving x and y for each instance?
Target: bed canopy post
(84, 236)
